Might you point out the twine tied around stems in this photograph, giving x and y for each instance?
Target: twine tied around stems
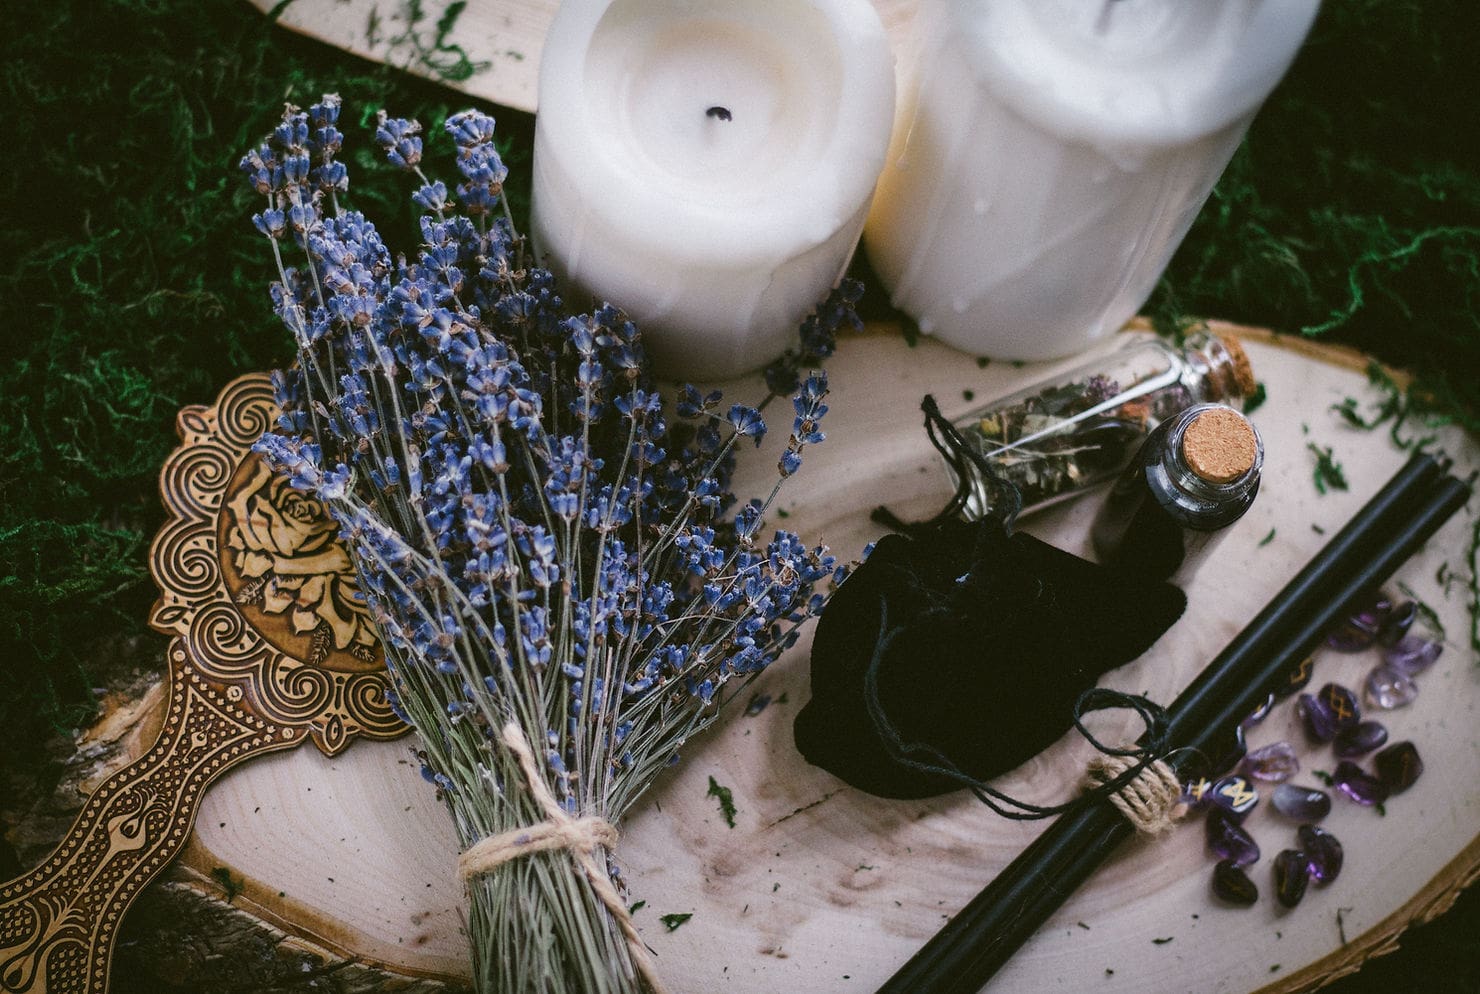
(1150, 801)
(580, 836)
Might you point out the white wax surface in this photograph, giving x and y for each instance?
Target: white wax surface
(716, 235)
(1051, 154)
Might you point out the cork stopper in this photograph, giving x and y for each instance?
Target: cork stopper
(1219, 445)
(1241, 368)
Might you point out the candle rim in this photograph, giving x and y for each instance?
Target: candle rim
(1274, 32)
(848, 162)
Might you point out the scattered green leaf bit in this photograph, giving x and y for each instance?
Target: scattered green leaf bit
(726, 801)
(671, 922)
(1429, 615)
(1162, 942)
(1323, 776)
(634, 909)
(1328, 472)
(1380, 808)
(968, 395)
(231, 885)
(1256, 399)
(1267, 539)
(982, 362)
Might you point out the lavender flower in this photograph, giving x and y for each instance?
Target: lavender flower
(537, 543)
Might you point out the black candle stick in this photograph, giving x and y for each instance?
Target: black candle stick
(1391, 527)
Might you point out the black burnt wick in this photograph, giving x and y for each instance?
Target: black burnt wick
(719, 113)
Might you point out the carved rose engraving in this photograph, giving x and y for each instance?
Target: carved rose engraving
(286, 548)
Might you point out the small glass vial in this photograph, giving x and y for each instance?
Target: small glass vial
(1196, 474)
(1054, 439)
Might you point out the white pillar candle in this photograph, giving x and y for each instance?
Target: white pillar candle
(1050, 155)
(706, 165)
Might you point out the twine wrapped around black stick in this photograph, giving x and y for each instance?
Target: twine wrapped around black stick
(1391, 527)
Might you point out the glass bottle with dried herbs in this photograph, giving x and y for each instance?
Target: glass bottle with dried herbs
(1056, 438)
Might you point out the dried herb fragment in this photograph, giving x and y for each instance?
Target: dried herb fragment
(231, 885)
(1256, 399)
(1429, 615)
(635, 908)
(672, 922)
(1267, 539)
(726, 801)
(1162, 942)
(1328, 472)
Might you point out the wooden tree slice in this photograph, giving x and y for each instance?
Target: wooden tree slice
(501, 39)
(822, 888)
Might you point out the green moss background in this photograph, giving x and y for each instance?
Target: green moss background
(133, 283)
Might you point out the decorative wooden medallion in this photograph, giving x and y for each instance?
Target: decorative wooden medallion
(273, 645)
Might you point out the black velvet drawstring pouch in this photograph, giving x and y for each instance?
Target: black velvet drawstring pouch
(974, 642)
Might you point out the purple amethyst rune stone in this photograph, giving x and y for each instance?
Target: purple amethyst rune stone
(1323, 854)
(1413, 654)
(1397, 623)
(1291, 872)
(1358, 784)
(1235, 795)
(1274, 762)
(1228, 840)
(1359, 631)
(1399, 766)
(1328, 711)
(1232, 884)
(1298, 678)
(1360, 739)
(1387, 688)
(1260, 713)
(1301, 803)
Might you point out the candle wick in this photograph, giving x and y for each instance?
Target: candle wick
(719, 113)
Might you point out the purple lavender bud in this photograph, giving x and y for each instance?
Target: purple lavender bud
(1228, 840)
(1291, 873)
(1301, 803)
(1358, 784)
(1413, 654)
(1232, 884)
(1387, 688)
(1323, 853)
(1399, 766)
(1274, 762)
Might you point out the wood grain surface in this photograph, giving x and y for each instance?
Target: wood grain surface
(822, 888)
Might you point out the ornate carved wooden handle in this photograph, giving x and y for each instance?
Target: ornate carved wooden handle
(273, 645)
(58, 922)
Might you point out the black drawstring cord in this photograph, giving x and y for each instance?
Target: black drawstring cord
(968, 465)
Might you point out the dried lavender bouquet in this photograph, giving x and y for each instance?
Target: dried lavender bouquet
(547, 557)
